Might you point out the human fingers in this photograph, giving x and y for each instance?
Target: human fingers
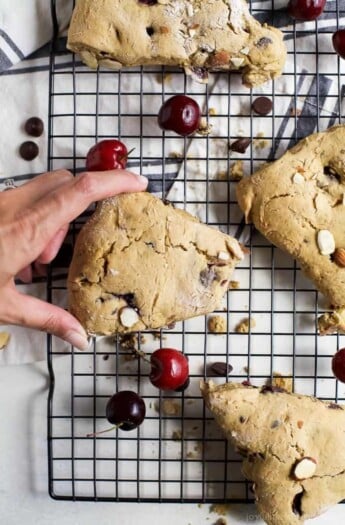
(32, 191)
(36, 226)
(50, 251)
(31, 312)
(25, 275)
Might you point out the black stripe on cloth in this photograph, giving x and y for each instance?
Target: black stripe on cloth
(12, 45)
(5, 62)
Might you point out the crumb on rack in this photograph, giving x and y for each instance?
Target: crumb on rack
(166, 78)
(236, 171)
(129, 344)
(212, 112)
(281, 381)
(216, 324)
(204, 128)
(169, 407)
(331, 322)
(259, 142)
(177, 435)
(4, 339)
(175, 155)
(222, 509)
(243, 326)
(234, 285)
(221, 521)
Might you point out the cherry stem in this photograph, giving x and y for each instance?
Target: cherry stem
(127, 154)
(94, 434)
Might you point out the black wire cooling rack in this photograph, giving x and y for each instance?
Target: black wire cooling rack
(178, 454)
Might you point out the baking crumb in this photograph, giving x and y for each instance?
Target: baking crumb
(221, 509)
(200, 505)
(190, 402)
(169, 407)
(222, 175)
(177, 435)
(4, 339)
(106, 357)
(236, 171)
(175, 155)
(130, 343)
(216, 324)
(204, 128)
(166, 78)
(245, 369)
(243, 326)
(281, 381)
(234, 285)
(221, 521)
(158, 336)
(212, 112)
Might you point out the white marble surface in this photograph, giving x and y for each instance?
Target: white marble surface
(23, 471)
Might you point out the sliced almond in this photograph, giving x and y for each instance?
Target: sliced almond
(305, 468)
(298, 178)
(4, 339)
(128, 317)
(339, 257)
(237, 62)
(325, 242)
(245, 51)
(223, 256)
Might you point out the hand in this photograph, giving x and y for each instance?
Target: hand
(34, 220)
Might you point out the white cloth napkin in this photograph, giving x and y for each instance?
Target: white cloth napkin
(26, 25)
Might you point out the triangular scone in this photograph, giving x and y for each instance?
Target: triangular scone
(141, 264)
(293, 447)
(297, 202)
(197, 35)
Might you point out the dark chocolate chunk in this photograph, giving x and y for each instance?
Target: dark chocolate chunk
(150, 31)
(275, 423)
(221, 369)
(331, 173)
(28, 150)
(240, 145)
(148, 2)
(297, 504)
(130, 299)
(242, 419)
(34, 126)
(207, 276)
(271, 389)
(263, 42)
(334, 406)
(262, 105)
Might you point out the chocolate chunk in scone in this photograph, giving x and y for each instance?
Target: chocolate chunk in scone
(298, 203)
(292, 446)
(197, 35)
(141, 264)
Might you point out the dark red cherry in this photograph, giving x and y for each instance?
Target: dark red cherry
(126, 409)
(338, 365)
(169, 369)
(338, 40)
(306, 9)
(180, 114)
(109, 154)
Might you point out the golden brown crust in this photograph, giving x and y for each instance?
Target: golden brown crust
(209, 34)
(144, 259)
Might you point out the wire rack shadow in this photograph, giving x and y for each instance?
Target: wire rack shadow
(178, 455)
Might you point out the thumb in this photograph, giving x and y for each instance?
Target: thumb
(34, 313)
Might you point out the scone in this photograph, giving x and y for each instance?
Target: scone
(298, 203)
(197, 35)
(141, 264)
(293, 448)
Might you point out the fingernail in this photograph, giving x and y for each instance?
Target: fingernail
(78, 340)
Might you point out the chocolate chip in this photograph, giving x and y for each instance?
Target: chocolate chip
(263, 42)
(148, 2)
(331, 173)
(28, 150)
(269, 388)
(297, 504)
(105, 357)
(207, 277)
(150, 31)
(242, 419)
(34, 126)
(240, 145)
(275, 423)
(262, 105)
(130, 299)
(334, 406)
(221, 369)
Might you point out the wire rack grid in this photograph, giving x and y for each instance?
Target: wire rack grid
(178, 454)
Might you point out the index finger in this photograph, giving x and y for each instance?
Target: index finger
(35, 226)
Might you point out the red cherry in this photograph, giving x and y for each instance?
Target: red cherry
(306, 9)
(338, 365)
(338, 40)
(169, 369)
(180, 114)
(106, 155)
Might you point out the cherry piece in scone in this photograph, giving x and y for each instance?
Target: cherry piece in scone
(338, 365)
(306, 9)
(169, 369)
(126, 410)
(338, 40)
(180, 114)
(109, 154)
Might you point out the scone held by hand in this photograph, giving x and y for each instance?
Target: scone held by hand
(197, 35)
(292, 446)
(298, 203)
(141, 264)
